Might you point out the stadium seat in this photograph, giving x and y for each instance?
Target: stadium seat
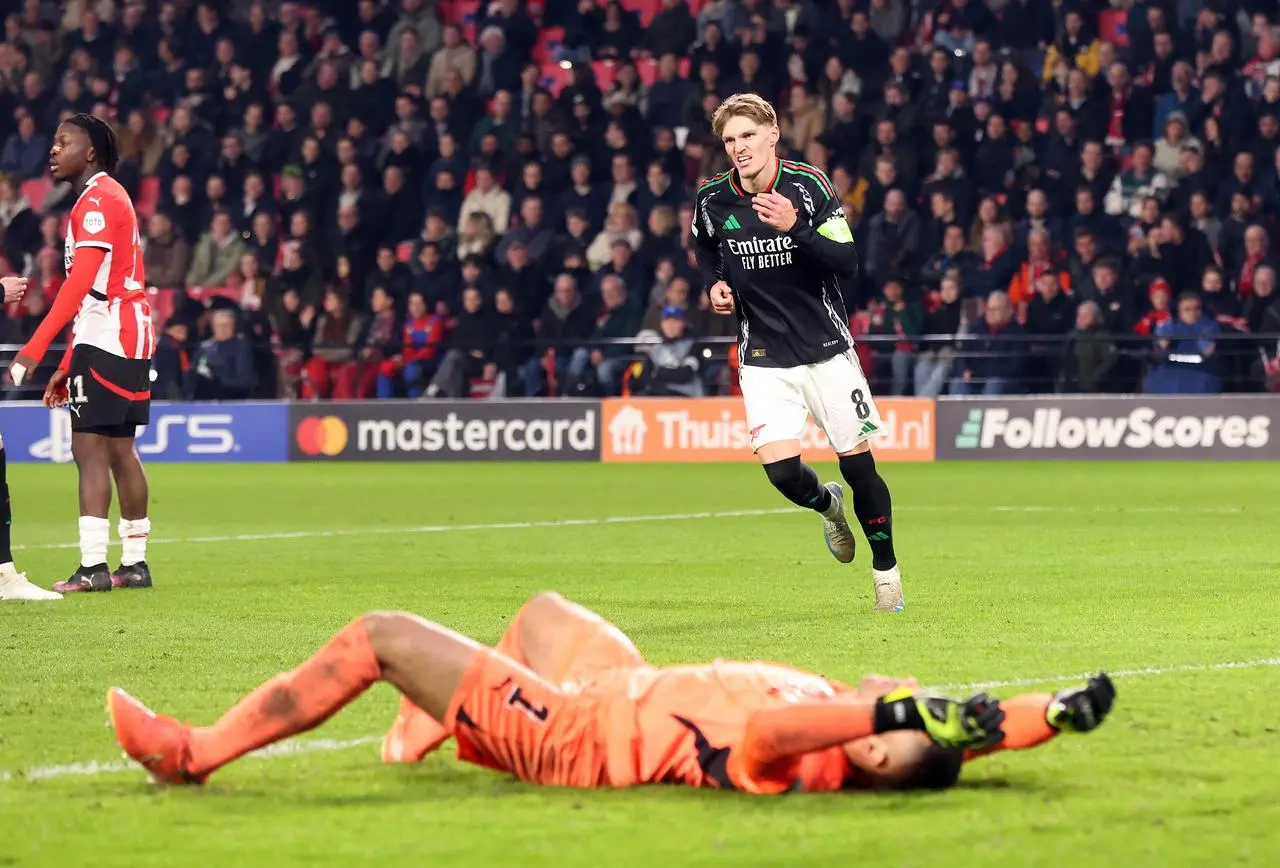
(148, 196)
(36, 190)
(404, 251)
(647, 70)
(549, 40)
(605, 71)
(162, 304)
(554, 77)
(1113, 27)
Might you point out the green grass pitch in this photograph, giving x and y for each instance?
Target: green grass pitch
(1018, 574)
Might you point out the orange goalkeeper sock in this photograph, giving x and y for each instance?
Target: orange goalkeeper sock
(290, 703)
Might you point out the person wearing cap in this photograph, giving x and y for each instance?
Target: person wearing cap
(672, 366)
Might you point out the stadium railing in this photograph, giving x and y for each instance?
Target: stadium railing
(1024, 364)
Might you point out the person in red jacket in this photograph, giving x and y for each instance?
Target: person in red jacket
(424, 333)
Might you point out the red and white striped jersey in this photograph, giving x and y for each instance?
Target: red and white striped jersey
(115, 316)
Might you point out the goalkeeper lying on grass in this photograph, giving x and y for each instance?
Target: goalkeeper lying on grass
(566, 699)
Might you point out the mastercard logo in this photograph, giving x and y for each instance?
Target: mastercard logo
(321, 435)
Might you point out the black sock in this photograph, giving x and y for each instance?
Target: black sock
(6, 515)
(872, 506)
(798, 483)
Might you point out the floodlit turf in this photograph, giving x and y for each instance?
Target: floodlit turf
(1013, 572)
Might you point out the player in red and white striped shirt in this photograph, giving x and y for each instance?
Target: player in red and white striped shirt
(105, 377)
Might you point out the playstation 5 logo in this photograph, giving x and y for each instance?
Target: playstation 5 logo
(57, 446)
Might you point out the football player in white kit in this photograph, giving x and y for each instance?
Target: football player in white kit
(773, 245)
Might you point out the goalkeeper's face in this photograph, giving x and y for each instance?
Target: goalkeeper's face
(750, 145)
(888, 760)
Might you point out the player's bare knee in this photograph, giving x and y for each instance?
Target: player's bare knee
(864, 446)
(386, 632)
(544, 600)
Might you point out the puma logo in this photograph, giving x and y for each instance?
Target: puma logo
(96, 201)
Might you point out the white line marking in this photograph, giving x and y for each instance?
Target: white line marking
(635, 519)
(92, 768)
(1146, 671)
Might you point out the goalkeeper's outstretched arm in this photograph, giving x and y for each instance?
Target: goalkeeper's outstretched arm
(1034, 718)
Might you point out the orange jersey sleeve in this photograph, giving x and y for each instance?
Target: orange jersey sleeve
(768, 759)
(1025, 724)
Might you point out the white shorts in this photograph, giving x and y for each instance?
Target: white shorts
(835, 392)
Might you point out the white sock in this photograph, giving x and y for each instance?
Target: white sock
(133, 536)
(95, 535)
(834, 510)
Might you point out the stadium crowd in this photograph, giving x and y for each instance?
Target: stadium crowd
(366, 198)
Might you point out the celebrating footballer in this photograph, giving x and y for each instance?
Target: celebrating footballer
(773, 246)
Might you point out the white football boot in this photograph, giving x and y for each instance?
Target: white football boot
(836, 528)
(14, 586)
(888, 590)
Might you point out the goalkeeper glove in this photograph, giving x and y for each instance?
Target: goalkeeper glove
(949, 723)
(1080, 709)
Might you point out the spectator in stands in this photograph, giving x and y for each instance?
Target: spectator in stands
(172, 362)
(942, 324)
(468, 350)
(990, 356)
(1050, 315)
(26, 151)
(20, 224)
(1089, 355)
(597, 369)
(331, 371)
(671, 368)
(223, 368)
(216, 254)
(900, 318)
(564, 319)
(166, 257)
(1185, 361)
(894, 241)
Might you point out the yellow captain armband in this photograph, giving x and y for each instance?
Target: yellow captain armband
(836, 229)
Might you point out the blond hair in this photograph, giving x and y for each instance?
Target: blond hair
(743, 105)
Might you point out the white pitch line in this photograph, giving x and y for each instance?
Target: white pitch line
(1142, 672)
(630, 519)
(93, 768)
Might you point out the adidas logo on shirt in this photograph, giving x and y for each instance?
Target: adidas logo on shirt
(731, 224)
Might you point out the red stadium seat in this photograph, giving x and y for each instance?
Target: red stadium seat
(465, 10)
(647, 69)
(148, 196)
(604, 70)
(686, 66)
(162, 304)
(1113, 27)
(36, 190)
(404, 251)
(549, 39)
(554, 77)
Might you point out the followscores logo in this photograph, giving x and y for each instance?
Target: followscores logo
(1142, 427)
